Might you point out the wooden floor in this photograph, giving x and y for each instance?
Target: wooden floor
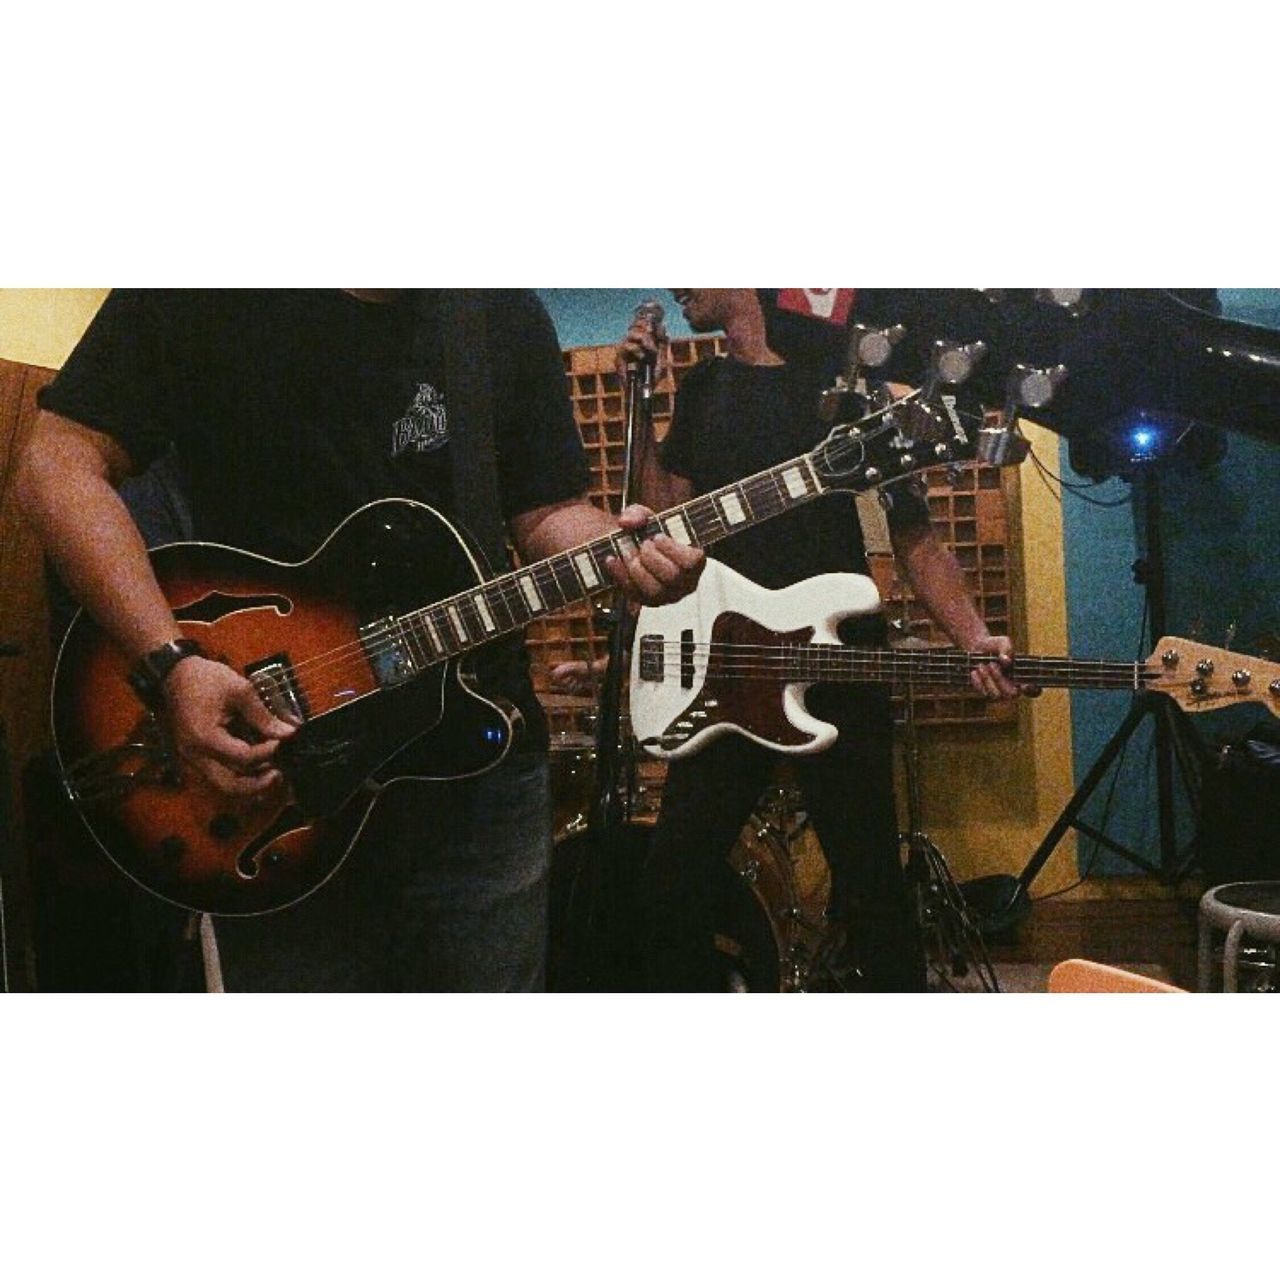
(1148, 932)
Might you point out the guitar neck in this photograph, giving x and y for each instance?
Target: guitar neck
(938, 667)
(463, 622)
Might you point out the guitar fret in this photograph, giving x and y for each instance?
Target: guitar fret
(411, 637)
(588, 575)
(455, 620)
(501, 601)
(677, 529)
(731, 508)
(794, 481)
(482, 608)
(566, 578)
(533, 597)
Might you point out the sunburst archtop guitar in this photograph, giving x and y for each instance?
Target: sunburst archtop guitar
(735, 657)
(370, 642)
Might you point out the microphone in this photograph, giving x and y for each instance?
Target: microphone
(652, 314)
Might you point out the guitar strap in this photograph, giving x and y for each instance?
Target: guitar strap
(469, 387)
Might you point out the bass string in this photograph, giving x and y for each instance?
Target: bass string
(786, 672)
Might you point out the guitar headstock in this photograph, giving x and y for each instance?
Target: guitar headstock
(894, 441)
(877, 439)
(1199, 677)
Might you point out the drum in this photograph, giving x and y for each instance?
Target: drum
(786, 872)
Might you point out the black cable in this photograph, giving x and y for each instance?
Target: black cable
(1077, 490)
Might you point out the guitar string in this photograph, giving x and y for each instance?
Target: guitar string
(507, 587)
(900, 657)
(886, 665)
(824, 459)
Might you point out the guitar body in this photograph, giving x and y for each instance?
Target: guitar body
(297, 629)
(690, 701)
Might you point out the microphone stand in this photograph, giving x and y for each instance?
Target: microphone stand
(603, 951)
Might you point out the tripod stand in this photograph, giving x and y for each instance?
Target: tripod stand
(1003, 902)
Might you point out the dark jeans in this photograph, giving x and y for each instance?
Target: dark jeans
(446, 890)
(848, 792)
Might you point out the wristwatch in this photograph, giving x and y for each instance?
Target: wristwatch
(148, 677)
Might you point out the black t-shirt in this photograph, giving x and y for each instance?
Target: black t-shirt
(732, 420)
(290, 408)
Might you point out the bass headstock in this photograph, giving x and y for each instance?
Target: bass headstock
(1199, 677)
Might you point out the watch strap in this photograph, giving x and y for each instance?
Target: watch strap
(149, 675)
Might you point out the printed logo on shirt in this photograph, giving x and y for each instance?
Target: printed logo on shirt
(425, 425)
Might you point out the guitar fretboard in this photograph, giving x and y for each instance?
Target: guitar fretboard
(455, 625)
(947, 667)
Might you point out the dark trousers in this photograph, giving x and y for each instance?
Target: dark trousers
(446, 890)
(848, 792)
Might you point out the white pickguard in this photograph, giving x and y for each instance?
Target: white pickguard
(821, 602)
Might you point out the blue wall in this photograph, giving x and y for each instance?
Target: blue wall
(1221, 532)
(591, 317)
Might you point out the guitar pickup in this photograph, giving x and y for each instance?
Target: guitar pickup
(651, 658)
(387, 648)
(686, 658)
(274, 679)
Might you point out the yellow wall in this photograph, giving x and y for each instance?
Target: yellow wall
(990, 793)
(40, 326)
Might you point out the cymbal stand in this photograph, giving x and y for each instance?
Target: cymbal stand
(953, 943)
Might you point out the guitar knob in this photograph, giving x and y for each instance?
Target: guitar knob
(1274, 688)
(1205, 667)
(1169, 658)
(1241, 679)
(1199, 687)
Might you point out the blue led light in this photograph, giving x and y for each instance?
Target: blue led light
(1143, 438)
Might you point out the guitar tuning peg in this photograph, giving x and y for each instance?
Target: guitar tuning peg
(1029, 388)
(871, 348)
(951, 364)
(1074, 301)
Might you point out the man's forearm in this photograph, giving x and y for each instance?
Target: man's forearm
(88, 533)
(938, 583)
